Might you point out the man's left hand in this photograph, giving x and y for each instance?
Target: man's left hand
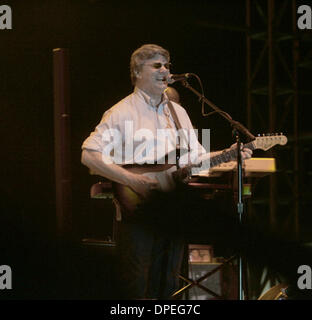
(246, 153)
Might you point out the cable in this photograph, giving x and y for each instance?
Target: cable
(202, 98)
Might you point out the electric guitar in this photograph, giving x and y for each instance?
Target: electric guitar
(168, 175)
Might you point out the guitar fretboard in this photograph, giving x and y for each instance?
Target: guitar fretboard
(220, 158)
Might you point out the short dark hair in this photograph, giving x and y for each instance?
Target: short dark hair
(140, 55)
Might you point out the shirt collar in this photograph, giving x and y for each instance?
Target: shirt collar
(148, 99)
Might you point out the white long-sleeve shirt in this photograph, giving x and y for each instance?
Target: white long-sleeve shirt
(136, 131)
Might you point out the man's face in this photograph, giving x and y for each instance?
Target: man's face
(152, 78)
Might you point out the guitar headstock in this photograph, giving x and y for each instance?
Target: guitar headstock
(269, 140)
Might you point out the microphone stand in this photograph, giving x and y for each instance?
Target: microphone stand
(237, 129)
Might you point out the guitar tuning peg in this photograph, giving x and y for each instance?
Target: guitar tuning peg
(258, 135)
(281, 133)
(263, 135)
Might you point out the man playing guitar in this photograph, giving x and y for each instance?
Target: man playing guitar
(143, 252)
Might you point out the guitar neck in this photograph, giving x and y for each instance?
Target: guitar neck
(221, 158)
(227, 155)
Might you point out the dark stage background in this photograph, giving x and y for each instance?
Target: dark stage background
(100, 36)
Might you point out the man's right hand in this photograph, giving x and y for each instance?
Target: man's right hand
(142, 185)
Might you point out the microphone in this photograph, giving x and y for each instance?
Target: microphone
(178, 77)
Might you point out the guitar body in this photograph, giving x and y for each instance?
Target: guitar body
(128, 199)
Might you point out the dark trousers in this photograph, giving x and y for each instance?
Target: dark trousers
(149, 262)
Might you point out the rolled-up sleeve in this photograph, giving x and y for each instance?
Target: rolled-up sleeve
(95, 141)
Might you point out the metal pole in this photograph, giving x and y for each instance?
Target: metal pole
(296, 140)
(240, 211)
(248, 64)
(272, 105)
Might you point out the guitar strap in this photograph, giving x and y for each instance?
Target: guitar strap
(177, 123)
